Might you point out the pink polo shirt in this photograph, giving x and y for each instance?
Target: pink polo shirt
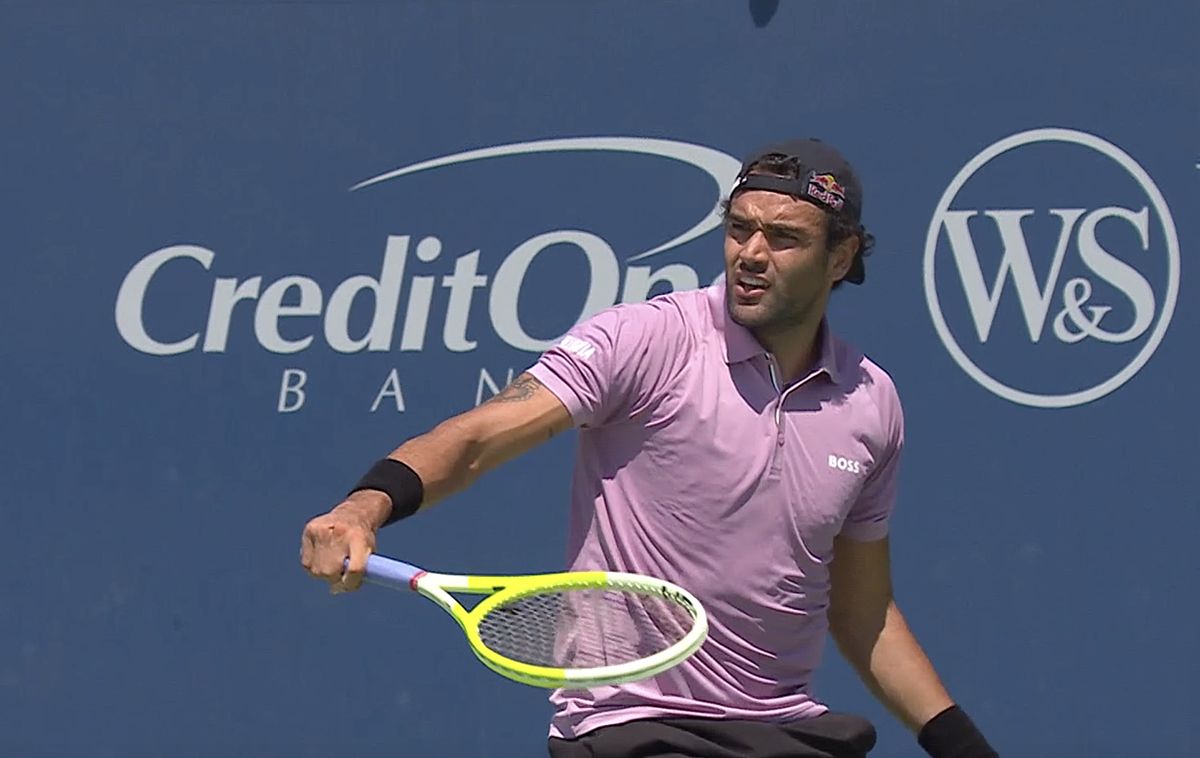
(694, 466)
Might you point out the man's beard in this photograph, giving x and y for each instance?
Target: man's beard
(772, 313)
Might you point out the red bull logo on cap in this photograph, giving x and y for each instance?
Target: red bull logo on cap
(826, 190)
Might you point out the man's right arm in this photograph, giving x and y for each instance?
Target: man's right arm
(447, 459)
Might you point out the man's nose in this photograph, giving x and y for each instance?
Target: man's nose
(753, 254)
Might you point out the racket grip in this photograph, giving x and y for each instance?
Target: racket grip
(389, 572)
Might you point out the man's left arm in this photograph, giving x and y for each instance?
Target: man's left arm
(872, 635)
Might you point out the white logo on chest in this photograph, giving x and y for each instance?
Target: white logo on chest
(845, 464)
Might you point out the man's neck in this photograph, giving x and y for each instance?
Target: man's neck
(796, 348)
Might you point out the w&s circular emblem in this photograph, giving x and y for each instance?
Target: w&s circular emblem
(1051, 268)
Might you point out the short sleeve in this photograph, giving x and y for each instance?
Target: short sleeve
(608, 366)
(869, 516)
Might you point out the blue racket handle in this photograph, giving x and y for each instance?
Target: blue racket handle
(391, 573)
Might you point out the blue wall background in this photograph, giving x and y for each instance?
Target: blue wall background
(151, 602)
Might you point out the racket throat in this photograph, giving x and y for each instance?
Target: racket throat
(412, 583)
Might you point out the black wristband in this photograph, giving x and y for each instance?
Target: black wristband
(952, 734)
(399, 482)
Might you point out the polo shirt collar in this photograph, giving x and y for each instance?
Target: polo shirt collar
(738, 344)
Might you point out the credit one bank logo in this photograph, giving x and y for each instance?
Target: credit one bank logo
(393, 283)
(1051, 268)
(397, 307)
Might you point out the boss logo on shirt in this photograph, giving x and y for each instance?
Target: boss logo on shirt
(845, 464)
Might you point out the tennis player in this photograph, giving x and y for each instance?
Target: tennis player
(731, 443)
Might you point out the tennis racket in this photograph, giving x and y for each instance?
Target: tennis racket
(574, 630)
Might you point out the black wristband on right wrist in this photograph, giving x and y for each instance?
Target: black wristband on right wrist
(399, 482)
(952, 734)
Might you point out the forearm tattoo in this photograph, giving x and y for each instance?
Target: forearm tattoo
(522, 388)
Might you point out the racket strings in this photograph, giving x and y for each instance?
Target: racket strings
(584, 628)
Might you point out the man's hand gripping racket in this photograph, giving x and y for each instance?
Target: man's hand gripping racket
(573, 629)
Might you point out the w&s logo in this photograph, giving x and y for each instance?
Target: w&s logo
(1051, 268)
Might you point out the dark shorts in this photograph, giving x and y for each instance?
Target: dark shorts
(832, 735)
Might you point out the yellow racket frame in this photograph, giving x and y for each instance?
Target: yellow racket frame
(506, 589)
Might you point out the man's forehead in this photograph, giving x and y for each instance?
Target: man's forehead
(776, 207)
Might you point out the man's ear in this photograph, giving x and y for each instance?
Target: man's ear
(841, 257)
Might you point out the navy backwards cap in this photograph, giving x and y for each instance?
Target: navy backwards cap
(824, 179)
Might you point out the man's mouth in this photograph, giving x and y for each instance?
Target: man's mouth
(748, 287)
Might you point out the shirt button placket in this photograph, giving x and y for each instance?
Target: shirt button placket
(776, 454)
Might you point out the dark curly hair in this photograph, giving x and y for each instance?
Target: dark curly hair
(838, 227)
